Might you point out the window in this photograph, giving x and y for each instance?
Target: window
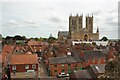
(80, 21)
(14, 67)
(73, 22)
(62, 65)
(75, 68)
(26, 66)
(35, 50)
(68, 64)
(81, 68)
(75, 65)
(63, 70)
(55, 65)
(69, 71)
(33, 66)
(55, 71)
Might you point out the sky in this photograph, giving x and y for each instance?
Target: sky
(40, 18)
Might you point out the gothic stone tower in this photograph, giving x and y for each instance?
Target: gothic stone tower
(76, 30)
(75, 24)
(89, 24)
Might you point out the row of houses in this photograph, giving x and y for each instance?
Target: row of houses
(66, 64)
(21, 61)
(66, 59)
(92, 72)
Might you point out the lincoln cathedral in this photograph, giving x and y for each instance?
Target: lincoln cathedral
(77, 31)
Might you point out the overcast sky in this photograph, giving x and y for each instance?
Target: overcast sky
(34, 18)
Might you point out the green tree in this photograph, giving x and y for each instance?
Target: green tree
(104, 39)
(51, 39)
(24, 37)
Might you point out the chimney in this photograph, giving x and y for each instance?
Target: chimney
(81, 54)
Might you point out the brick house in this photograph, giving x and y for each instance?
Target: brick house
(92, 72)
(36, 47)
(24, 66)
(92, 57)
(97, 70)
(81, 75)
(64, 64)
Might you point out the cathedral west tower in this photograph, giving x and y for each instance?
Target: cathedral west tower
(76, 30)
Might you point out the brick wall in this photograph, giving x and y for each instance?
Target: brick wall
(58, 68)
(21, 68)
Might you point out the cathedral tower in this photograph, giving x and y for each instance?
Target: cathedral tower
(78, 32)
(89, 23)
(75, 24)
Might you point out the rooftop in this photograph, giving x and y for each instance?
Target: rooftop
(24, 59)
(33, 42)
(89, 54)
(98, 68)
(65, 59)
(82, 74)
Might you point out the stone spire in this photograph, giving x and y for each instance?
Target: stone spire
(97, 30)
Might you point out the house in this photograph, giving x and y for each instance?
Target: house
(66, 64)
(63, 35)
(36, 47)
(18, 49)
(24, 66)
(92, 57)
(92, 72)
(81, 75)
(7, 51)
(97, 70)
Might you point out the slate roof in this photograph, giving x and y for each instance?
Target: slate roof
(63, 33)
(89, 54)
(63, 60)
(82, 74)
(98, 68)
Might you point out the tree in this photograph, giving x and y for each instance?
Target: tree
(51, 39)
(24, 37)
(18, 37)
(104, 39)
(8, 38)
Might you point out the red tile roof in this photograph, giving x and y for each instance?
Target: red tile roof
(7, 52)
(33, 42)
(24, 59)
(8, 48)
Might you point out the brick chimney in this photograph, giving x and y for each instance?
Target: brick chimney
(81, 54)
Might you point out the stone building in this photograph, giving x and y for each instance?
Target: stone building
(63, 34)
(76, 30)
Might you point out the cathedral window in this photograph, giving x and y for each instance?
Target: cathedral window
(73, 22)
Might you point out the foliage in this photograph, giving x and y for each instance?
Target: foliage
(104, 39)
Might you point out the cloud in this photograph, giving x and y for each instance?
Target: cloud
(30, 22)
(54, 15)
(56, 20)
(13, 22)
